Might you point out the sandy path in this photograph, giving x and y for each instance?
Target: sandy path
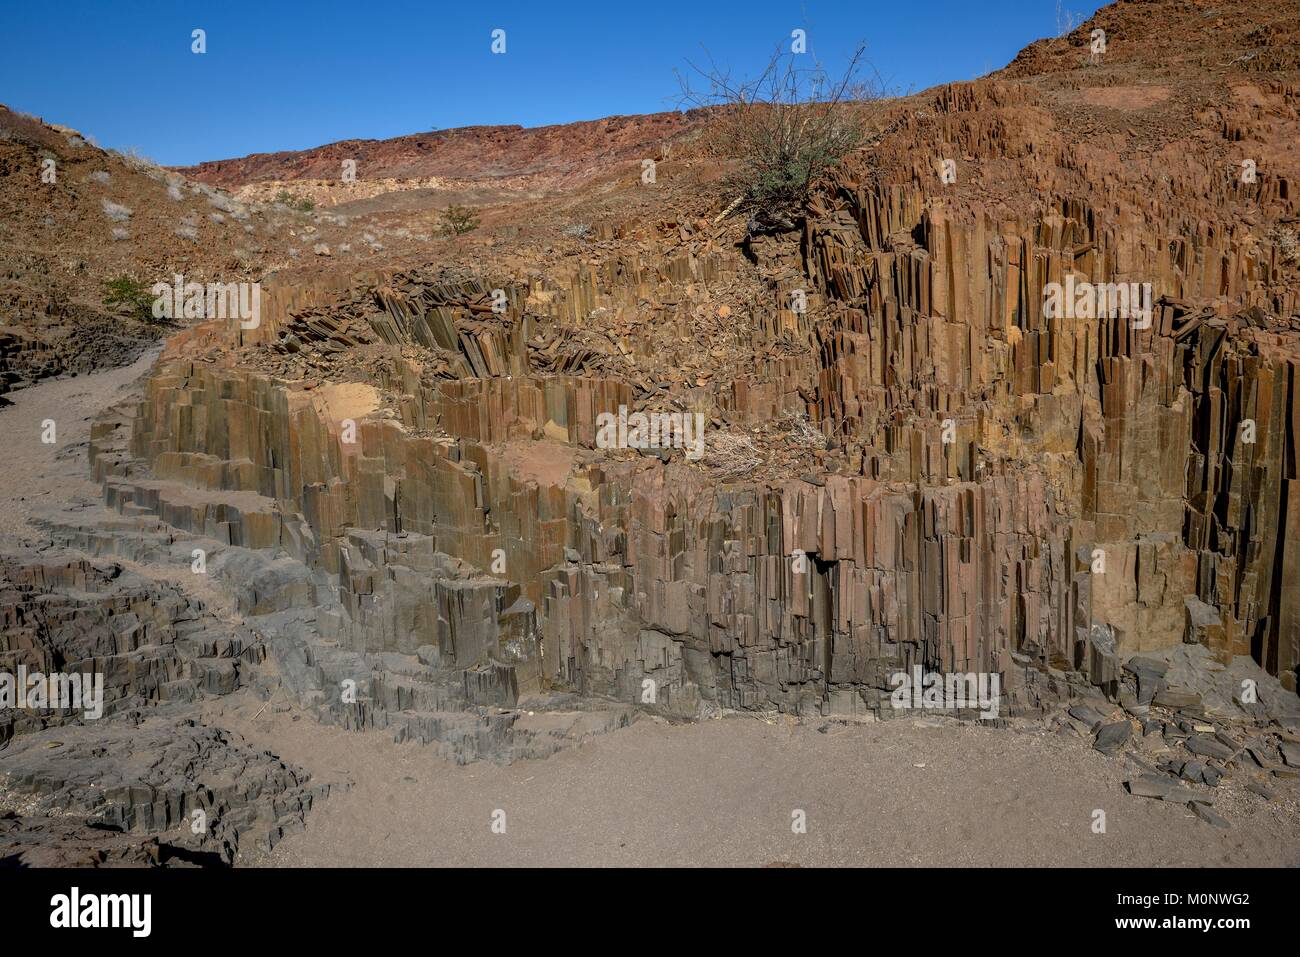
(722, 792)
(34, 474)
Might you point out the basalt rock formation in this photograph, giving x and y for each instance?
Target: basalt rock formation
(142, 764)
(1096, 476)
(966, 482)
(911, 457)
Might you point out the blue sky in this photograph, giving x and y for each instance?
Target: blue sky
(284, 76)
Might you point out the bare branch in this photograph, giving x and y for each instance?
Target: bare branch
(782, 129)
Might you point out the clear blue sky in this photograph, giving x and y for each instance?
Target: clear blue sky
(290, 76)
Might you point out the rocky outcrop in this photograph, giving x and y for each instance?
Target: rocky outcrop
(150, 644)
(213, 796)
(128, 759)
(999, 488)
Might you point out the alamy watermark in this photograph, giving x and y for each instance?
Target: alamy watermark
(74, 910)
(653, 430)
(932, 690)
(1099, 300)
(216, 300)
(61, 691)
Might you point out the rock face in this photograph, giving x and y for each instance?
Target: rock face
(921, 448)
(984, 483)
(136, 762)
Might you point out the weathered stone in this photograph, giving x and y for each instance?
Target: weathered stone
(1209, 746)
(1111, 737)
(1210, 816)
(1197, 772)
(1150, 673)
(1176, 698)
(1150, 785)
(1290, 752)
(1087, 714)
(1205, 627)
(1267, 793)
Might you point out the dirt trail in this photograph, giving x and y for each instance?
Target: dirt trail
(898, 793)
(35, 474)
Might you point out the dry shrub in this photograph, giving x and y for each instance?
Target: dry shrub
(782, 130)
(731, 454)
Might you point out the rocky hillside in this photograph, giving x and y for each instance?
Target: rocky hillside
(564, 154)
(74, 216)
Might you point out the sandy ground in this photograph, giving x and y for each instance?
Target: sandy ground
(34, 474)
(722, 792)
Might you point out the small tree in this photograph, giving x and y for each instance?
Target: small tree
(131, 297)
(782, 130)
(459, 219)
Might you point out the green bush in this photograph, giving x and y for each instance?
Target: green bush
(286, 198)
(131, 297)
(459, 219)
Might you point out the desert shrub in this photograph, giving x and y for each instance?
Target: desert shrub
(1066, 20)
(130, 297)
(138, 161)
(286, 198)
(458, 219)
(222, 201)
(116, 211)
(782, 130)
(1288, 244)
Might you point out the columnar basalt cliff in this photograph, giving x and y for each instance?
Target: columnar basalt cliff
(1017, 396)
(994, 488)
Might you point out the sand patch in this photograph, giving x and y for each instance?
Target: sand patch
(345, 400)
(1125, 97)
(546, 463)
